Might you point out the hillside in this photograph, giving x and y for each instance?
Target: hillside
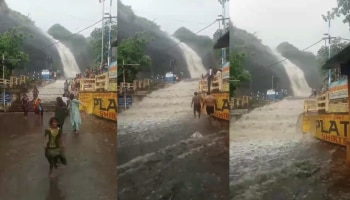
(37, 45)
(307, 61)
(162, 49)
(260, 62)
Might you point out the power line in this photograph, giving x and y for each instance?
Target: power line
(301, 50)
(73, 34)
(195, 33)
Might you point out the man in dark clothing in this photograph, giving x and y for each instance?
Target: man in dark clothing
(196, 103)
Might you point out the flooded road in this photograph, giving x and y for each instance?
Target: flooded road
(50, 91)
(91, 155)
(270, 159)
(165, 153)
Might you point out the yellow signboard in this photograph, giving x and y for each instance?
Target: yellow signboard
(222, 108)
(101, 104)
(332, 128)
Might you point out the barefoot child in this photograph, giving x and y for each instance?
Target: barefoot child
(54, 146)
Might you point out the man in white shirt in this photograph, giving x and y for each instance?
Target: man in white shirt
(65, 99)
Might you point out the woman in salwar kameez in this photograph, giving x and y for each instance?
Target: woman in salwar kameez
(75, 118)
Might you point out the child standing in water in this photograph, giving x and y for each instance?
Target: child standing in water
(53, 145)
(75, 118)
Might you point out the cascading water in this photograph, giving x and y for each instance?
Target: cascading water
(49, 92)
(268, 154)
(70, 66)
(168, 104)
(296, 76)
(193, 61)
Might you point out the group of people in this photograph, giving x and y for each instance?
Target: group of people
(53, 141)
(209, 102)
(38, 109)
(67, 105)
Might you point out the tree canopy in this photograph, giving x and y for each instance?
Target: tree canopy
(342, 9)
(11, 46)
(237, 72)
(337, 46)
(132, 51)
(95, 41)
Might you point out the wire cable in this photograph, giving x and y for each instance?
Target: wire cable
(287, 58)
(171, 46)
(73, 34)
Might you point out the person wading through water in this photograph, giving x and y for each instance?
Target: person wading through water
(196, 103)
(54, 146)
(61, 112)
(209, 103)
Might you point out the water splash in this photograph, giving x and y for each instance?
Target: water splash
(266, 149)
(70, 66)
(168, 104)
(193, 61)
(49, 92)
(296, 76)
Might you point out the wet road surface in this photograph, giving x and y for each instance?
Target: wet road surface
(91, 155)
(270, 159)
(165, 153)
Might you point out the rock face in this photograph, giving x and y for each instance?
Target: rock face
(37, 46)
(129, 24)
(307, 62)
(260, 62)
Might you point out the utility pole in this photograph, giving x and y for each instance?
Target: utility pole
(223, 18)
(103, 28)
(109, 34)
(3, 78)
(272, 82)
(124, 89)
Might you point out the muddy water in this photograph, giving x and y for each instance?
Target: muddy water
(271, 159)
(165, 153)
(50, 92)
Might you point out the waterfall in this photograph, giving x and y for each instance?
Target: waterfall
(193, 61)
(70, 66)
(151, 109)
(296, 76)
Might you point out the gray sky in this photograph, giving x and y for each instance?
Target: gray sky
(173, 14)
(298, 22)
(74, 15)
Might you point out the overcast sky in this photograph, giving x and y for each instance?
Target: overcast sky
(298, 22)
(173, 14)
(74, 15)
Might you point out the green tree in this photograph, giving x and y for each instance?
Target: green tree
(342, 9)
(337, 46)
(96, 41)
(237, 72)
(132, 51)
(11, 46)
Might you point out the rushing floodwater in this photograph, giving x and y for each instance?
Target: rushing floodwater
(50, 91)
(271, 159)
(70, 66)
(296, 76)
(193, 61)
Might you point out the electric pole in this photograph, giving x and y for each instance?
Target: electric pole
(109, 33)
(223, 20)
(3, 78)
(124, 88)
(103, 28)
